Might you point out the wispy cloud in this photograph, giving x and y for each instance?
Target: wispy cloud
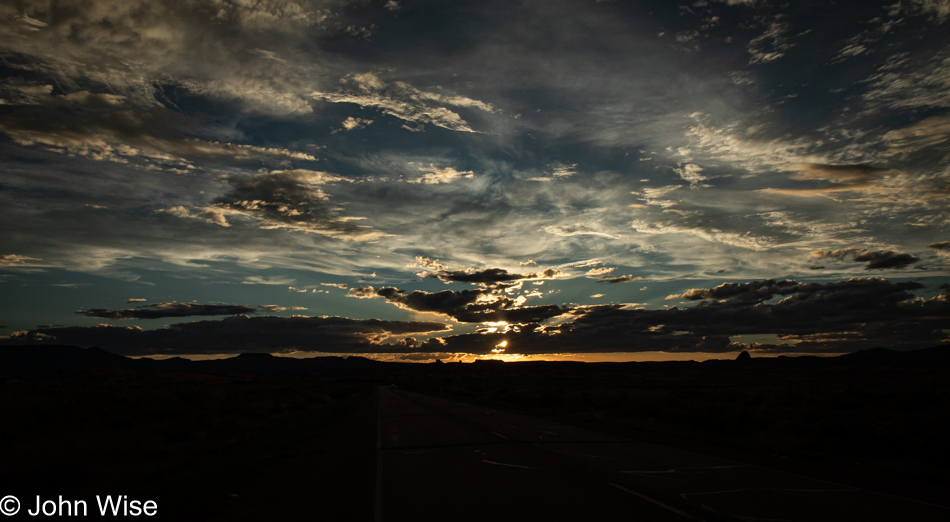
(926, 133)
(135, 49)
(770, 45)
(16, 260)
(838, 178)
(403, 101)
(119, 132)
(745, 240)
(435, 175)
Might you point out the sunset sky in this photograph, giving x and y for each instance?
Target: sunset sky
(417, 179)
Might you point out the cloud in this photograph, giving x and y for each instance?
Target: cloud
(926, 133)
(939, 8)
(911, 81)
(598, 272)
(222, 94)
(447, 302)
(832, 317)
(213, 215)
(577, 229)
(243, 52)
(485, 276)
(841, 178)
(16, 260)
(292, 200)
(691, 173)
(425, 262)
(136, 300)
(437, 175)
(84, 125)
(942, 245)
(163, 310)
(747, 240)
(885, 259)
(595, 329)
(267, 280)
(655, 195)
(467, 306)
(273, 308)
(513, 315)
(558, 171)
(902, 193)
(352, 123)
(752, 291)
(363, 292)
(342, 286)
(237, 334)
(859, 174)
(834, 254)
(471, 275)
(878, 260)
(622, 279)
(403, 101)
(740, 144)
(854, 48)
(770, 45)
(563, 170)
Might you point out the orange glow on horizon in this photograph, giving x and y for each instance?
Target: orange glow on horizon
(512, 357)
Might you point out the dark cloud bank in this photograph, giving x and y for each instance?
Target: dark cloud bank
(490, 275)
(237, 334)
(879, 260)
(814, 317)
(162, 310)
(466, 306)
(489, 303)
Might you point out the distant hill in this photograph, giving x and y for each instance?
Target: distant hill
(59, 357)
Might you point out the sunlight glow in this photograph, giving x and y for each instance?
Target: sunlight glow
(498, 327)
(500, 347)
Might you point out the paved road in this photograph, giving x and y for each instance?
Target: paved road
(441, 460)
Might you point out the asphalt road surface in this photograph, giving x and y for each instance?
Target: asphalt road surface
(441, 460)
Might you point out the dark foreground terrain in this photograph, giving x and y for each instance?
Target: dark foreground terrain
(255, 437)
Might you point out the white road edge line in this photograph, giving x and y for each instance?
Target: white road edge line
(656, 502)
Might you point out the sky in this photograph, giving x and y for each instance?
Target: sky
(411, 180)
